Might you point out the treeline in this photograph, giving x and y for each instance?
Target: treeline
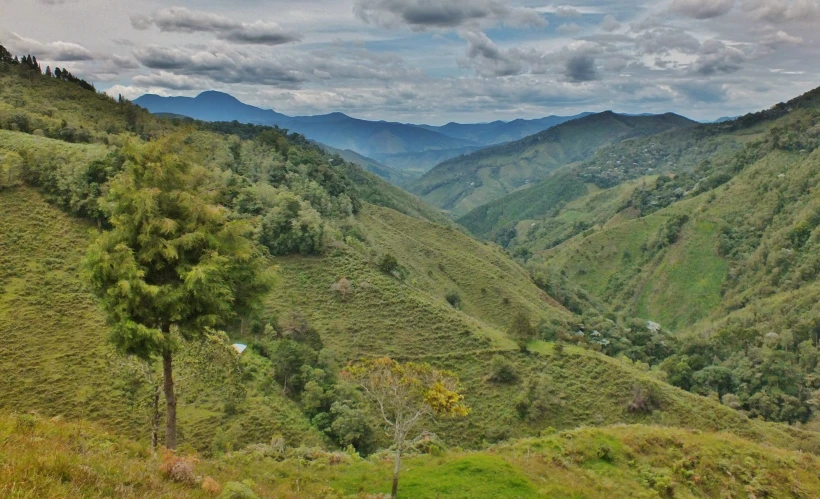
(30, 61)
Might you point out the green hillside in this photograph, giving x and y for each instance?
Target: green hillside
(395, 176)
(724, 255)
(467, 182)
(365, 269)
(60, 459)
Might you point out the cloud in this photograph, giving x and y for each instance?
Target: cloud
(223, 64)
(581, 68)
(568, 29)
(702, 9)
(780, 38)
(665, 40)
(567, 12)
(488, 59)
(55, 51)
(421, 15)
(780, 11)
(168, 80)
(182, 20)
(223, 67)
(717, 57)
(610, 24)
(702, 92)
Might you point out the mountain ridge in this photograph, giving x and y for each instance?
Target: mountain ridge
(416, 148)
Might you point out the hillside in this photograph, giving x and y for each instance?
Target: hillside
(395, 176)
(695, 151)
(363, 270)
(60, 459)
(462, 184)
(721, 250)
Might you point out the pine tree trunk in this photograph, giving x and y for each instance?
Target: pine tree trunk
(155, 419)
(170, 401)
(396, 468)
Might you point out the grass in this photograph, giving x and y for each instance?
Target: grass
(52, 458)
(55, 358)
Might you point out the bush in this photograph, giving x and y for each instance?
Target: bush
(644, 401)
(502, 370)
(388, 263)
(291, 225)
(236, 490)
(454, 299)
(177, 469)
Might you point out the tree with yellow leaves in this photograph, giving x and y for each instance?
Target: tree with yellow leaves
(405, 394)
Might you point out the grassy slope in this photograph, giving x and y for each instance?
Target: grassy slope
(687, 282)
(57, 459)
(464, 183)
(55, 358)
(410, 319)
(407, 319)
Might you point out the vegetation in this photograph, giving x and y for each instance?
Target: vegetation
(173, 262)
(467, 182)
(46, 458)
(711, 245)
(365, 271)
(405, 394)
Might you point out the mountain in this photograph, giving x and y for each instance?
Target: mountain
(415, 148)
(584, 404)
(499, 132)
(711, 231)
(395, 176)
(464, 183)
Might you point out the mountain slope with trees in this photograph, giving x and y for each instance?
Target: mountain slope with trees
(717, 244)
(464, 183)
(362, 271)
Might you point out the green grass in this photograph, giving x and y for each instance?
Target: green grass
(55, 358)
(689, 270)
(51, 458)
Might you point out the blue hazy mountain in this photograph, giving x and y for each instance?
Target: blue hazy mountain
(399, 145)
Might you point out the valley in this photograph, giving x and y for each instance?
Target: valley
(628, 304)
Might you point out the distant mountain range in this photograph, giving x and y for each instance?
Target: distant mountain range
(415, 148)
(462, 184)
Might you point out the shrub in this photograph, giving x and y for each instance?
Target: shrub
(343, 287)
(502, 370)
(210, 485)
(454, 299)
(644, 401)
(236, 490)
(388, 263)
(177, 469)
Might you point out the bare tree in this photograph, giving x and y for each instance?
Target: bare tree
(404, 395)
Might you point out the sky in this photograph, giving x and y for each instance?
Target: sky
(435, 61)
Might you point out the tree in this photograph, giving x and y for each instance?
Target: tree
(521, 330)
(172, 261)
(405, 394)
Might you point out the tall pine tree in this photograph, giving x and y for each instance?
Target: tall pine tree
(174, 262)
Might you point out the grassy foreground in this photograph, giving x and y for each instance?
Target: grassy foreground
(53, 458)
